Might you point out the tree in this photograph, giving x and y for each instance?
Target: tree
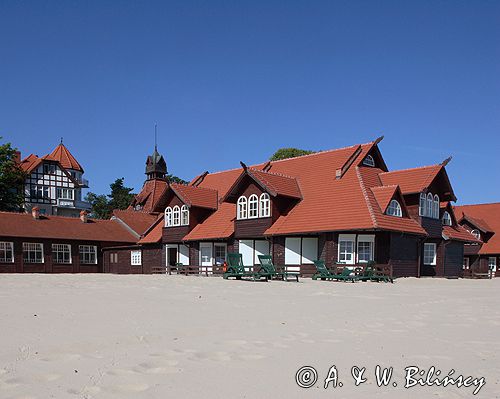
(100, 206)
(103, 205)
(12, 179)
(284, 153)
(175, 179)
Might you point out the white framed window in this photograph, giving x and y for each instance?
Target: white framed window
(6, 252)
(113, 257)
(136, 258)
(394, 209)
(346, 252)
(65, 193)
(33, 252)
(309, 250)
(430, 253)
(422, 209)
(476, 233)
(492, 263)
(292, 250)
(220, 250)
(184, 215)
(176, 212)
(446, 218)
(430, 201)
(435, 214)
(242, 208)
(168, 216)
(265, 205)
(88, 254)
(253, 206)
(366, 245)
(466, 264)
(61, 253)
(369, 161)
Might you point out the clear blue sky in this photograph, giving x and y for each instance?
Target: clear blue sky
(235, 80)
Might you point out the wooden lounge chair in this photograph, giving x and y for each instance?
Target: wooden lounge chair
(236, 269)
(267, 266)
(370, 274)
(324, 274)
(345, 275)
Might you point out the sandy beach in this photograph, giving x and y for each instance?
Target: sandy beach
(109, 336)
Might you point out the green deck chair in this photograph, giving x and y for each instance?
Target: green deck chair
(267, 267)
(322, 271)
(236, 269)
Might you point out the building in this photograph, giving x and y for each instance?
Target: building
(483, 221)
(35, 243)
(343, 206)
(54, 183)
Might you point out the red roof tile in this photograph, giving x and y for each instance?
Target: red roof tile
(411, 180)
(383, 195)
(152, 196)
(30, 163)
(62, 155)
(154, 234)
(196, 196)
(218, 225)
(276, 184)
(64, 228)
(459, 233)
(136, 220)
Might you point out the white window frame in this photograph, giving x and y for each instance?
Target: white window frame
(369, 161)
(347, 238)
(253, 206)
(422, 208)
(219, 245)
(264, 205)
(436, 207)
(446, 219)
(176, 216)
(430, 201)
(184, 215)
(5, 248)
(433, 246)
(366, 238)
(168, 216)
(242, 211)
(65, 193)
(89, 250)
(136, 257)
(476, 233)
(61, 249)
(32, 247)
(492, 263)
(394, 209)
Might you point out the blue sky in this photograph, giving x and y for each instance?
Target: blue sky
(235, 80)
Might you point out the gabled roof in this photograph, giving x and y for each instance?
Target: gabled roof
(458, 233)
(479, 223)
(151, 197)
(62, 155)
(30, 163)
(154, 233)
(488, 215)
(196, 196)
(383, 195)
(138, 221)
(219, 225)
(411, 181)
(63, 228)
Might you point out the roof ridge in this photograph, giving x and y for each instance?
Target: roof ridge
(418, 167)
(274, 173)
(385, 186)
(54, 216)
(485, 203)
(196, 187)
(365, 195)
(321, 152)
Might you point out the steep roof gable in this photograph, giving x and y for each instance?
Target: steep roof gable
(196, 196)
(62, 155)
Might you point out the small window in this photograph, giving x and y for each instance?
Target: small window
(466, 263)
(253, 206)
(430, 200)
(346, 248)
(435, 214)
(6, 252)
(65, 193)
(369, 161)
(492, 263)
(394, 209)
(422, 209)
(136, 258)
(265, 205)
(242, 208)
(32, 252)
(430, 253)
(61, 253)
(476, 233)
(113, 257)
(168, 217)
(176, 216)
(365, 248)
(220, 253)
(184, 215)
(88, 254)
(446, 218)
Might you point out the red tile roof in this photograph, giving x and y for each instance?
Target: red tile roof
(152, 196)
(218, 225)
(154, 233)
(411, 180)
(276, 184)
(489, 214)
(196, 196)
(30, 163)
(136, 220)
(459, 233)
(64, 228)
(62, 155)
(383, 195)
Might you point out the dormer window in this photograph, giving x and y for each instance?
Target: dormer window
(242, 208)
(369, 161)
(436, 207)
(265, 205)
(253, 207)
(446, 218)
(394, 209)
(429, 205)
(422, 210)
(168, 217)
(476, 233)
(184, 215)
(177, 216)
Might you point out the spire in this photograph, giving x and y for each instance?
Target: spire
(156, 167)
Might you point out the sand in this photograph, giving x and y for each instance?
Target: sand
(110, 336)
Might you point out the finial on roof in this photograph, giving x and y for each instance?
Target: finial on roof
(156, 133)
(379, 139)
(446, 161)
(61, 140)
(243, 165)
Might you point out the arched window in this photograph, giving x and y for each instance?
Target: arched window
(253, 206)
(177, 216)
(265, 206)
(436, 207)
(242, 208)
(423, 202)
(476, 233)
(429, 205)
(369, 161)
(394, 209)
(446, 218)
(168, 217)
(184, 215)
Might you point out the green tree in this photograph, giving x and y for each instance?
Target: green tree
(284, 153)
(175, 179)
(100, 206)
(121, 196)
(11, 179)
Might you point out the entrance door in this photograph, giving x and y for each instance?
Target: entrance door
(171, 257)
(206, 256)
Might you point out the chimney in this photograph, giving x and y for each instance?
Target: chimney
(35, 212)
(17, 157)
(83, 216)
